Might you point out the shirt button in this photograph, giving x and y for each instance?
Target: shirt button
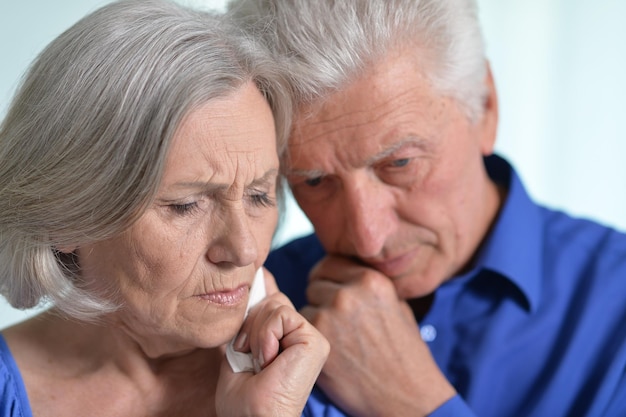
(428, 332)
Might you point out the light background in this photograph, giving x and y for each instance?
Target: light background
(559, 66)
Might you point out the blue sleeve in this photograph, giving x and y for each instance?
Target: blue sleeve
(454, 407)
(13, 398)
(318, 405)
(9, 403)
(290, 265)
(617, 405)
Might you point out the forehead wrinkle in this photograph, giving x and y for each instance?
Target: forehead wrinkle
(243, 162)
(343, 127)
(313, 116)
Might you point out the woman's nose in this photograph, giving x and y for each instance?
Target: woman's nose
(233, 240)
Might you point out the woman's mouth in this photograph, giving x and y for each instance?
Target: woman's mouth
(227, 297)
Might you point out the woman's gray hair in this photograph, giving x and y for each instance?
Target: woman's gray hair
(84, 142)
(327, 44)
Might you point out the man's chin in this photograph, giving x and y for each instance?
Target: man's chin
(410, 286)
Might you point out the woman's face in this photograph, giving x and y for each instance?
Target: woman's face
(183, 270)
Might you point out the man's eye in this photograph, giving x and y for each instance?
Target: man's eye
(313, 182)
(398, 163)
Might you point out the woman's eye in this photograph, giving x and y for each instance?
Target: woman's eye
(184, 209)
(263, 200)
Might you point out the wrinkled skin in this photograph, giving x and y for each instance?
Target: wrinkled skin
(181, 275)
(391, 175)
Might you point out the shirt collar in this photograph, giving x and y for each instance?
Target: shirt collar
(514, 247)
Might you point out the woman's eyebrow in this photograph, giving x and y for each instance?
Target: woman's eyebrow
(268, 177)
(213, 187)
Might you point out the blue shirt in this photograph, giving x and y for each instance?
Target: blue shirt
(13, 398)
(537, 328)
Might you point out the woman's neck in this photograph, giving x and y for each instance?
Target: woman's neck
(97, 362)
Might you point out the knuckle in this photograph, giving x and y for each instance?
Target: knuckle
(319, 318)
(374, 282)
(345, 299)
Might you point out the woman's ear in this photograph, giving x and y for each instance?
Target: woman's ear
(68, 257)
(66, 249)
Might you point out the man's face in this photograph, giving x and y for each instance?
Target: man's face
(390, 172)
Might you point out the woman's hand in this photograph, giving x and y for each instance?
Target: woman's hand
(288, 353)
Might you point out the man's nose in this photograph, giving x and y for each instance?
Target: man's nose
(233, 240)
(368, 217)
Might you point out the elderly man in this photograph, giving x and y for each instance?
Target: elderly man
(443, 289)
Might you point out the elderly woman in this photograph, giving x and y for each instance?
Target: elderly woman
(138, 195)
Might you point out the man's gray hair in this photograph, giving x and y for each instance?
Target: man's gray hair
(327, 44)
(84, 142)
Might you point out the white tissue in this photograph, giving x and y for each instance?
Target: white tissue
(242, 362)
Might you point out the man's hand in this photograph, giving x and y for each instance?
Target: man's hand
(379, 365)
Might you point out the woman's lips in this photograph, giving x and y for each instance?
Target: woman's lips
(228, 297)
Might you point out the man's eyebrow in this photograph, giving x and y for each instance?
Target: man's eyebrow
(307, 173)
(411, 141)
